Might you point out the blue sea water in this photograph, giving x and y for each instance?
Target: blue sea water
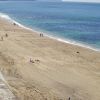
(78, 22)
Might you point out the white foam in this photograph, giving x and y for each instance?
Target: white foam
(74, 43)
(4, 16)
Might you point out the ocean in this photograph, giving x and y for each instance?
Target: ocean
(77, 23)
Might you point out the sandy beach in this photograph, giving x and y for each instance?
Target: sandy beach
(41, 68)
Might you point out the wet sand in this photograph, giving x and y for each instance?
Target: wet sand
(40, 68)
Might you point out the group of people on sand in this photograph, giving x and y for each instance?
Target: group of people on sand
(33, 61)
(41, 34)
(2, 38)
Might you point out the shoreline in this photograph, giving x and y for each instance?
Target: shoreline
(72, 42)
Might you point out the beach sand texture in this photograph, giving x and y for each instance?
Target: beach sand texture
(5, 93)
(40, 68)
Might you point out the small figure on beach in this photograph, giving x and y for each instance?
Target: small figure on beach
(14, 24)
(31, 61)
(2, 38)
(41, 34)
(69, 98)
(37, 60)
(6, 35)
(77, 52)
(34, 61)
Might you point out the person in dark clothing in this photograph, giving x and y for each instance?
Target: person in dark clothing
(69, 98)
(6, 35)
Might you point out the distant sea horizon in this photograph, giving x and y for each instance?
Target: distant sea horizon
(76, 23)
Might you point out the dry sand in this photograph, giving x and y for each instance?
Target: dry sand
(58, 71)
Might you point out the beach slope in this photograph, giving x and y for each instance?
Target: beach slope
(40, 68)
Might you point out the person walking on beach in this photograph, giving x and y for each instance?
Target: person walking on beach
(69, 98)
(6, 35)
(41, 34)
(2, 38)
